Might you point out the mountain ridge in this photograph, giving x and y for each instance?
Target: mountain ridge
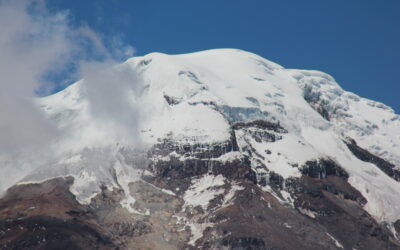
(202, 130)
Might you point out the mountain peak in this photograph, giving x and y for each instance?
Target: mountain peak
(217, 130)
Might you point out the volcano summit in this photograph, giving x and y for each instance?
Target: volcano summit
(220, 149)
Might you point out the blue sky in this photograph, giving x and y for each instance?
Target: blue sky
(357, 41)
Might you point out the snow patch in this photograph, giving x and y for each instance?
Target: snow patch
(197, 230)
(307, 212)
(229, 157)
(85, 187)
(203, 190)
(337, 243)
(229, 197)
(126, 175)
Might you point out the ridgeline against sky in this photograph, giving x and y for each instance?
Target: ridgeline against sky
(357, 42)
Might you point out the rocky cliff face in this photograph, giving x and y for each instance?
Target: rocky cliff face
(235, 152)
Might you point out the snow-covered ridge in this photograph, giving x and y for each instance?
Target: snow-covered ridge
(197, 98)
(212, 88)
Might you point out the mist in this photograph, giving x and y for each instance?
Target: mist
(35, 44)
(113, 95)
(29, 47)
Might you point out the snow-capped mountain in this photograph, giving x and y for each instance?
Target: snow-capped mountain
(215, 149)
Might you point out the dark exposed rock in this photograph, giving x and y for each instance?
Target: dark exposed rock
(261, 124)
(175, 168)
(326, 206)
(322, 168)
(244, 243)
(337, 186)
(332, 202)
(276, 181)
(171, 100)
(155, 228)
(254, 220)
(324, 175)
(258, 221)
(264, 136)
(47, 216)
(145, 62)
(190, 75)
(250, 151)
(235, 146)
(315, 101)
(397, 226)
(212, 104)
(366, 156)
(323, 190)
(258, 79)
(321, 110)
(176, 174)
(197, 150)
(131, 230)
(43, 232)
(253, 100)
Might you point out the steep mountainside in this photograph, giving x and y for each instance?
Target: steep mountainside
(220, 149)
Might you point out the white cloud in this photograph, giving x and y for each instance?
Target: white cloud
(33, 44)
(30, 45)
(113, 93)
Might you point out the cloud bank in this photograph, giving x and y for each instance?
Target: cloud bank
(35, 45)
(30, 45)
